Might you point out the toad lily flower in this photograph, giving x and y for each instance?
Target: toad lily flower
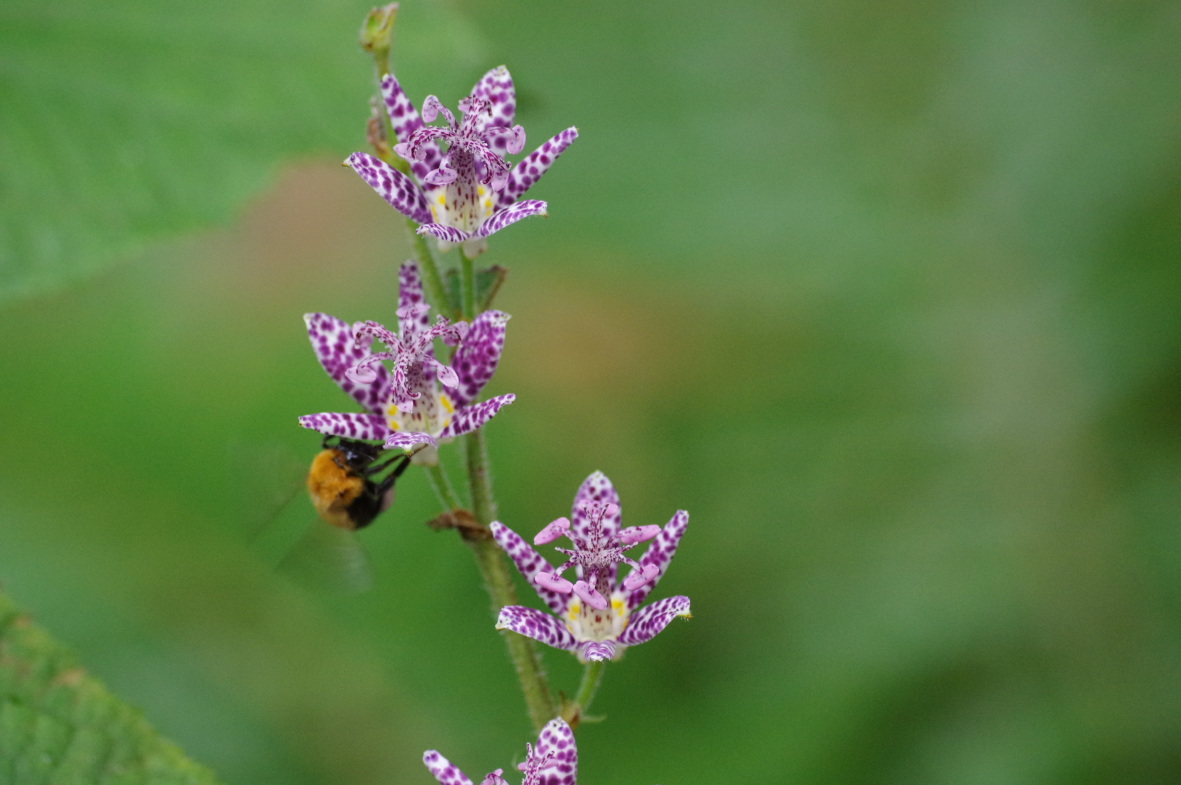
(554, 761)
(597, 615)
(469, 192)
(404, 405)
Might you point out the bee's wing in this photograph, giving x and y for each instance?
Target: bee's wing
(264, 480)
(328, 558)
(282, 526)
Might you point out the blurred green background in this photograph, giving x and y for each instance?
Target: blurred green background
(884, 294)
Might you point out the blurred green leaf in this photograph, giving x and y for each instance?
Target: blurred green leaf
(125, 122)
(59, 725)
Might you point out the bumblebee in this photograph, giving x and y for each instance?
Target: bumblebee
(351, 482)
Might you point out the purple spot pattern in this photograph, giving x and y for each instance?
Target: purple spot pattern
(553, 761)
(443, 770)
(510, 215)
(445, 233)
(596, 490)
(488, 130)
(410, 296)
(496, 87)
(642, 623)
(556, 744)
(537, 625)
(530, 168)
(350, 426)
(332, 341)
(594, 651)
(404, 119)
(650, 620)
(477, 357)
(470, 418)
(529, 562)
(402, 193)
(404, 440)
(660, 553)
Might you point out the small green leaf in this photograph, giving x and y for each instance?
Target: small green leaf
(488, 282)
(59, 725)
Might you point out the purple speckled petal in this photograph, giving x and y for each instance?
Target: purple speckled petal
(410, 295)
(473, 417)
(529, 562)
(594, 651)
(530, 168)
(404, 120)
(444, 770)
(400, 191)
(404, 440)
(596, 489)
(538, 625)
(332, 340)
(447, 234)
(350, 426)
(645, 623)
(557, 740)
(496, 87)
(659, 554)
(510, 215)
(477, 357)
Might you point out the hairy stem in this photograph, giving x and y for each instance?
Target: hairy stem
(522, 650)
(498, 580)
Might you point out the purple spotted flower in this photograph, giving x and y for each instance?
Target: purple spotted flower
(597, 615)
(554, 761)
(467, 192)
(406, 404)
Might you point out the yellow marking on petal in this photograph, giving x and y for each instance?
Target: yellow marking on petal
(443, 399)
(390, 417)
(617, 604)
(443, 199)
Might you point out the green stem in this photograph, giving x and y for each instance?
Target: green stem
(435, 289)
(479, 478)
(467, 286)
(498, 580)
(442, 487)
(521, 649)
(592, 677)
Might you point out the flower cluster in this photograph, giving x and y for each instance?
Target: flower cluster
(466, 193)
(456, 183)
(599, 615)
(418, 399)
(554, 761)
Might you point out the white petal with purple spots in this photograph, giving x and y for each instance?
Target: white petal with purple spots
(402, 193)
(477, 357)
(472, 417)
(510, 215)
(332, 341)
(645, 623)
(530, 168)
(350, 426)
(529, 562)
(659, 555)
(537, 625)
